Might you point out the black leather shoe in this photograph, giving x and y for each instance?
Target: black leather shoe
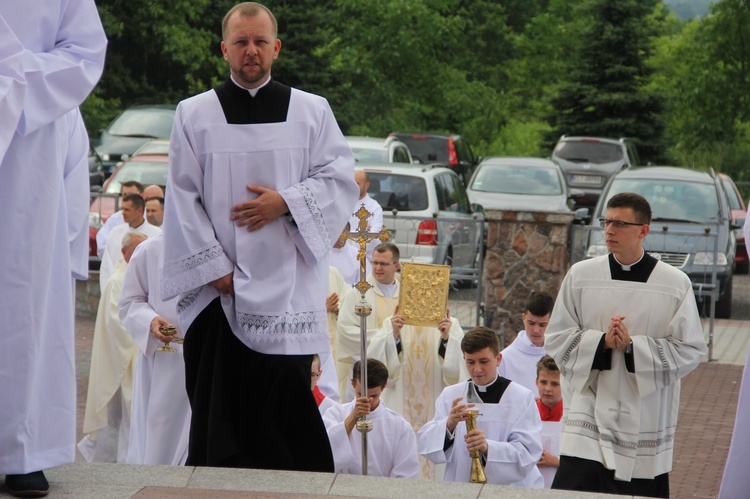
(29, 485)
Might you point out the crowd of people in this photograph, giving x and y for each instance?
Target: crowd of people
(226, 332)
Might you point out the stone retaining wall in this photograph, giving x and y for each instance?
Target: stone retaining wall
(526, 251)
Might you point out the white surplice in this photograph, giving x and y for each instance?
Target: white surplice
(513, 431)
(551, 443)
(336, 284)
(160, 413)
(626, 421)
(519, 361)
(51, 56)
(280, 271)
(347, 340)
(103, 233)
(113, 249)
(345, 260)
(391, 445)
(106, 421)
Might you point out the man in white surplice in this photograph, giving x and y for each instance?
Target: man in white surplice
(133, 209)
(521, 356)
(160, 412)
(51, 56)
(391, 444)
(508, 428)
(625, 329)
(260, 184)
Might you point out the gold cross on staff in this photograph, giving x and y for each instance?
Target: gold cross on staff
(361, 236)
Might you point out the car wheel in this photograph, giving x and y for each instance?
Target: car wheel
(723, 308)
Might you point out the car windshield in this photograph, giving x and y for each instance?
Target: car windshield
(580, 151)
(362, 155)
(155, 123)
(145, 172)
(426, 149)
(517, 180)
(672, 199)
(400, 192)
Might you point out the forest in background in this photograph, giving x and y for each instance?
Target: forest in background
(511, 76)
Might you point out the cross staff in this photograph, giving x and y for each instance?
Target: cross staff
(361, 236)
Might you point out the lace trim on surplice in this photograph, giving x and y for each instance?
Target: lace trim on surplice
(186, 274)
(309, 219)
(298, 327)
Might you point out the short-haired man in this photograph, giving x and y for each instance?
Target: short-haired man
(132, 208)
(625, 329)
(550, 406)
(115, 219)
(391, 445)
(508, 434)
(155, 211)
(521, 356)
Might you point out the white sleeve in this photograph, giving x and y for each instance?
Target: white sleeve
(343, 454)
(135, 312)
(431, 437)
(382, 347)
(12, 84)
(406, 460)
(76, 185)
(454, 367)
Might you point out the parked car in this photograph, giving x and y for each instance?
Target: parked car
(441, 227)
(686, 205)
(145, 168)
(96, 169)
(739, 212)
(451, 150)
(377, 150)
(589, 162)
(156, 146)
(525, 184)
(130, 130)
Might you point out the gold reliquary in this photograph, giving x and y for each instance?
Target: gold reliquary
(423, 298)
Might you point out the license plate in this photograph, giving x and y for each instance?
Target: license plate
(586, 179)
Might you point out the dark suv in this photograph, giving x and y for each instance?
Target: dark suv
(450, 150)
(589, 162)
(687, 206)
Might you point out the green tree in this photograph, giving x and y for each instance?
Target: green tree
(604, 91)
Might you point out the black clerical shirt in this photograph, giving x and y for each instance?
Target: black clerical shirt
(270, 104)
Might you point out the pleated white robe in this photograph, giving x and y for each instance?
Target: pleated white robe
(519, 362)
(160, 413)
(626, 421)
(51, 56)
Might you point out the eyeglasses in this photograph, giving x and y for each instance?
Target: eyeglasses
(618, 224)
(315, 375)
(383, 264)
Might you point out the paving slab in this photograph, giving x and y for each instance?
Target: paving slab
(120, 474)
(286, 482)
(397, 488)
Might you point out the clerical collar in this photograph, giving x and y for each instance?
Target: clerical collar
(640, 271)
(389, 290)
(252, 91)
(627, 268)
(484, 388)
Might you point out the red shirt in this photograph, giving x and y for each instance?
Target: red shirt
(319, 396)
(547, 414)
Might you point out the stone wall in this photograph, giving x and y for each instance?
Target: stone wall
(87, 295)
(526, 251)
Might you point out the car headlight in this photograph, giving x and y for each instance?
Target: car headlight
(596, 250)
(105, 157)
(95, 220)
(707, 258)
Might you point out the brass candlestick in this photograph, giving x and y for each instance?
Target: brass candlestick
(477, 471)
(167, 331)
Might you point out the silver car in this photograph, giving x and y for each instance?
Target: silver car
(377, 150)
(427, 210)
(520, 184)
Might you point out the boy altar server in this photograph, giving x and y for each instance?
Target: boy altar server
(508, 432)
(391, 445)
(521, 356)
(160, 412)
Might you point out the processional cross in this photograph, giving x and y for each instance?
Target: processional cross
(361, 236)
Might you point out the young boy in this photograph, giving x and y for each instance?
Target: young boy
(550, 410)
(521, 356)
(508, 434)
(391, 444)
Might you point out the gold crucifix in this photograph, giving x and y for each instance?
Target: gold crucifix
(361, 236)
